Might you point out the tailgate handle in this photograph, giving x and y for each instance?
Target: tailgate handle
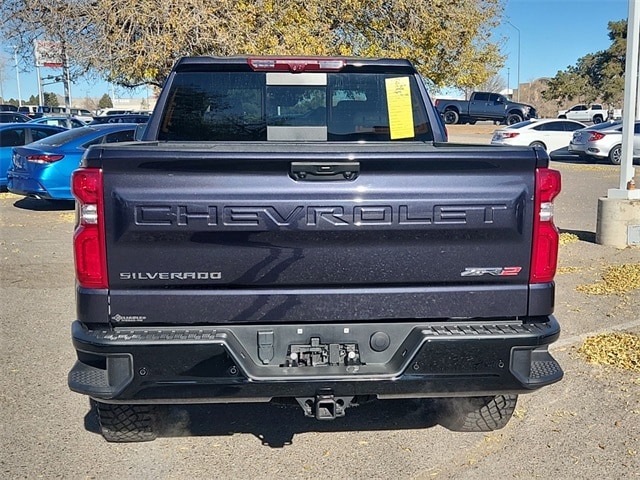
(325, 171)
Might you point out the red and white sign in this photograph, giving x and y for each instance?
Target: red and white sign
(48, 53)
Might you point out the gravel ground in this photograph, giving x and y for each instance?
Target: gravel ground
(587, 426)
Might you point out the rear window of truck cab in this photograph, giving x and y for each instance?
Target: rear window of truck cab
(286, 106)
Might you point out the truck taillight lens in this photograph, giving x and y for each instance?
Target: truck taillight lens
(88, 240)
(544, 258)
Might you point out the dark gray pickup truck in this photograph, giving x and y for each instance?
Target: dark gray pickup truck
(484, 106)
(298, 229)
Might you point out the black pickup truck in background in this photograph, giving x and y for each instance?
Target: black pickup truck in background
(298, 229)
(484, 106)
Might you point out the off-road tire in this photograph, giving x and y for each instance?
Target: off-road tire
(127, 423)
(513, 118)
(598, 119)
(476, 414)
(450, 117)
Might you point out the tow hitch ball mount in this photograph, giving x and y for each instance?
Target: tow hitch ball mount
(324, 406)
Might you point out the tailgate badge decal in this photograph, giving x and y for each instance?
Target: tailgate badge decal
(495, 271)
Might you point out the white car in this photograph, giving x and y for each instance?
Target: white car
(552, 134)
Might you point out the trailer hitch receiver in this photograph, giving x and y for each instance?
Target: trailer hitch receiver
(324, 406)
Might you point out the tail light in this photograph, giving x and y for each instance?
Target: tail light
(44, 159)
(544, 258)
(88, 240)
(509, 134)
(593, 136)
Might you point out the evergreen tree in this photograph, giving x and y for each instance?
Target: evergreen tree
(105, 102)
(50, 99)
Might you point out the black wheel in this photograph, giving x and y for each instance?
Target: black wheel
(451, 117)
(476, 414)
(615, 155)
(538, 144)
(127, 423)
(562, 116)
(513, 118)
(597, 119)
(472, 122)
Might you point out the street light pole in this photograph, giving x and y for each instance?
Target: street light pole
(15, 58)
(518, 30)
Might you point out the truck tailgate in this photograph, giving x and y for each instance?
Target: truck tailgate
(227, 235)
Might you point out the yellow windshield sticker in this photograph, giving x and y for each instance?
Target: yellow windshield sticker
(399, 104)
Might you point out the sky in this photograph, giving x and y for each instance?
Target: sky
(553, 34)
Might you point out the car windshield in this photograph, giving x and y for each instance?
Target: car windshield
(64, 137)
(258, 106)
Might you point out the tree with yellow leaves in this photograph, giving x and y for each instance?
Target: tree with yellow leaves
(133, 42)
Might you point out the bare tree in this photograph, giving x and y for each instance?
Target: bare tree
(495, 84)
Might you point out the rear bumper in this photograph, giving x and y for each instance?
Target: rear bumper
(23, 184)
(577, 149)
(258, 363)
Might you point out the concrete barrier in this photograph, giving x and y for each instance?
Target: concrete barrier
(618, 222)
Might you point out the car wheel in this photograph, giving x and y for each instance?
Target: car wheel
(597, 119)
(615, 155)
(451, 117)
(513, 118)
(476, 414)
(538, 144)
(127, 423)
(562, 116)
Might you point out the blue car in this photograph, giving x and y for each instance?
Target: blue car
(15, 135)
(43, 169)
(59, 121)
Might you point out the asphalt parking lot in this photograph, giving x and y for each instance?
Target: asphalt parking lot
(587, 426)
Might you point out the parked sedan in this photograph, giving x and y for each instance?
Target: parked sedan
(43, 169)
(13, 117)
(551, 134)
(603, 141)
(15, 135)
(127, 118)
(68, 122)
